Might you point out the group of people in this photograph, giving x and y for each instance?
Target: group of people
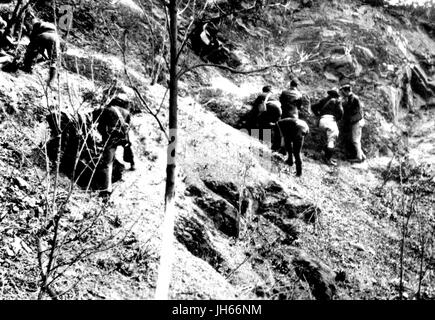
(281, 116)
(112, 121)
(86, 159)
(289, 131)
(44, 41)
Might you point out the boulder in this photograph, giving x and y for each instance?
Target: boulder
(331, 77)
(364, 55)
(230, 112)
(223, 214)
(317, 274)
(420, 83)
(191, 233)
(306, 3)
(227, 190)
(343, 65)
(279, 207)
(128, 7)
(431, 103)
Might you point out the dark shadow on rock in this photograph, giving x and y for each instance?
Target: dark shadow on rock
(227, 190)
(190, 232)
(282, 205)
(318, 275)
(223, 214)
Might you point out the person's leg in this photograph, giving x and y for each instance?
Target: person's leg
(348, 142)
(279, 139)
(289, 148)
(356, 140)
(106, 168)
(298, 142)
(30, 55)
(331, 138)
(128, 156)
(276, 138)
(52, 46)
(325, 127)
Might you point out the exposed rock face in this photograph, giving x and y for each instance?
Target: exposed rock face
(319, 276)
(191, 233)
(222, 203)
(342, 64)
(228, 111)
(420, 83)
(364, 55)
(219, 210)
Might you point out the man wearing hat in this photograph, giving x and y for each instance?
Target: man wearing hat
(330, 111)
(353, 120)
(113, 123)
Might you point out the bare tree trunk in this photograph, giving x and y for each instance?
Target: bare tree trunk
(167, 250)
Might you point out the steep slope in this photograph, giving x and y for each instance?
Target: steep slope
(318, 236)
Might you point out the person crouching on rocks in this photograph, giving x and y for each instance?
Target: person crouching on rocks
(44, 40)
(330, 111)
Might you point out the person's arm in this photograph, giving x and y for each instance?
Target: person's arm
(315, 108)
(358, 108)
(35, 31)
(262, 106)
(356, 111)
(339, 111)
(318, 106)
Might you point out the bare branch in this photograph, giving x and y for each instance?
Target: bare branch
(247, 72)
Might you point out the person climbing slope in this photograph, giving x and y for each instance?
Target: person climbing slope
(44, 40)
(291, 100)
(293, 132)
(113, 123)
(266, 111)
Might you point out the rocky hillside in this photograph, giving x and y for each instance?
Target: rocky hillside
(246, 227)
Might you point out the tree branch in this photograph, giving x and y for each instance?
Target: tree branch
(247, 72)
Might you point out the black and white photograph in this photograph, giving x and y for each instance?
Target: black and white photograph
(240, 152)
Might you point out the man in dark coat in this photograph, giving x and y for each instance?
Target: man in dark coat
(293, 131)
(265, 110)
(291, 101)
(265, 113)
(44, 40)
(353, 120)
(113, 123)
